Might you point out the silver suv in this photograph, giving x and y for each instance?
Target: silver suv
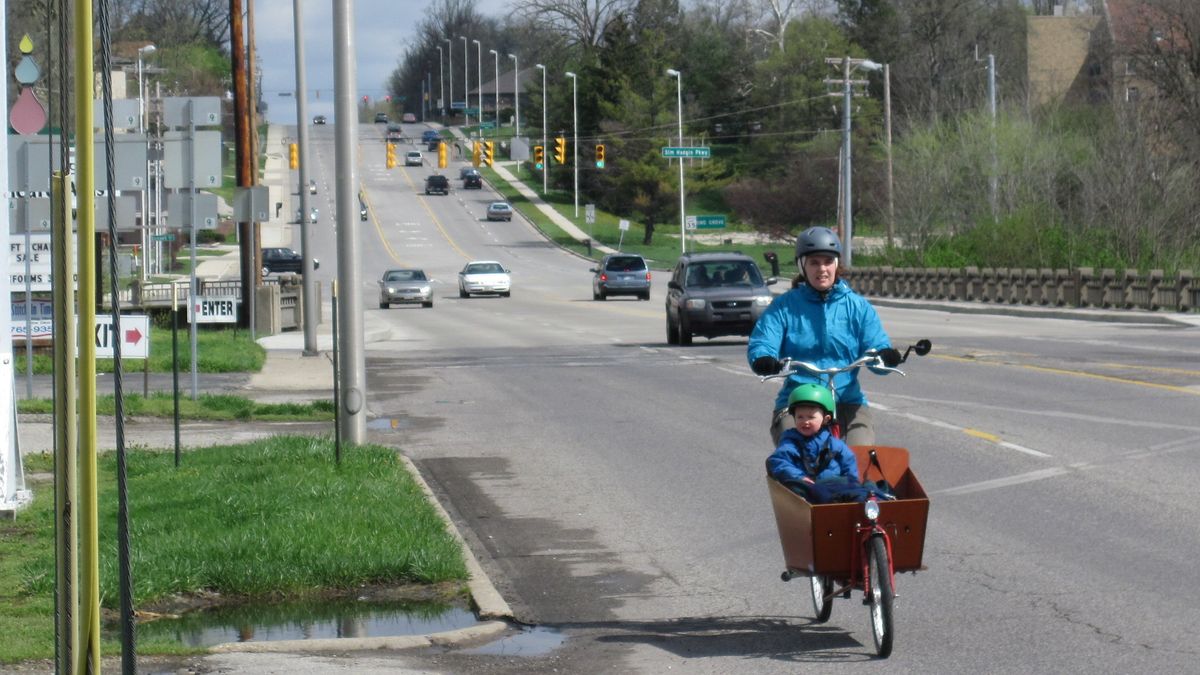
(715, 294)
(621, 274)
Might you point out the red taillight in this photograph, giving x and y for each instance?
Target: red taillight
(603, 277)
(647, 276)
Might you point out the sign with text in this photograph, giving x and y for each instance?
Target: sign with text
(672, 152)
(37, 256)
(205, 309)
(704, 222)
(134, 337)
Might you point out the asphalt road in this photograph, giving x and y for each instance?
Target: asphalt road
(613, 486)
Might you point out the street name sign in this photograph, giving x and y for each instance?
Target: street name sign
(704, 222)
(672, 152)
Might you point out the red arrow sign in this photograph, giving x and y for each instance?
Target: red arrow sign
(133, 336)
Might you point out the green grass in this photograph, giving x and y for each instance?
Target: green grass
(206, 407)
(276, 518)
(226, 350)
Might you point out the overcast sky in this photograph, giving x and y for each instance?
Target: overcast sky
(383, 31)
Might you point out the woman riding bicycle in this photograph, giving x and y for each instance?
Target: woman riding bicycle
(821, 321)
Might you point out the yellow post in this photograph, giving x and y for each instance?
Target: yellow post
(85, 187)
(66, 480)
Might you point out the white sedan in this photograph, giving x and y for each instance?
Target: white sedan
(484, 276)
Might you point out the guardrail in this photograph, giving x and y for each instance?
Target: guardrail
(1081, 287)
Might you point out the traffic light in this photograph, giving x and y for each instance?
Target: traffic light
(560, 149)
(391, 156)
(441, 154)
(476, 153)
(599, 155)
(539, 157)
(293, 156)
(489, 152)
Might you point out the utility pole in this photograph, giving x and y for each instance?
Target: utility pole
(887, 126)
(308, 289)
(241, 132)
(848, 66)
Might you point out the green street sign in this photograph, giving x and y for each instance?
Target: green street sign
(671, 152)
(163, 237)
(487, 125)
(704, 222)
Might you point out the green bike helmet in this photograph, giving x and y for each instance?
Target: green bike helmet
(811, 393)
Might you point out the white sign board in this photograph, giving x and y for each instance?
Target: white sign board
(135, 336)
(37, 254)
(623, 225)
(213, 310)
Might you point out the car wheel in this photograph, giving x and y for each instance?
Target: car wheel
(463, 294)
(265, 271)
(645, 296)
(672, 332)
(427, 305)
(685, 333)
(383, 305)
(506, 294)
(603, 295)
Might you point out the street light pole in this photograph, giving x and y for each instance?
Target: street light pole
(308, 288)
(441, 85)
(148, 49)
(516, 96)
(496, 61)
(848, 65)
(466, 83)
(575, 136)
(479, 83)
(450, 70)
(671, 72)
(545, 150)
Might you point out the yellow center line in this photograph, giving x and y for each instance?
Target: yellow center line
(1079, 373)
(981, 434)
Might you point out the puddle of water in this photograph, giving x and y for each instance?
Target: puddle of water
(536, 641)
(387, 424)
(307, 621)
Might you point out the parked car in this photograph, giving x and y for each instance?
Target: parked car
(381, 118)
(621, 274)
(279, 260)
(318, 119)
(484, 276)
(413, 158)
(714, 294)
(408, 118)
(499, 211)
(472, 181)
(409, 286)
(430, 135)
(437, 184)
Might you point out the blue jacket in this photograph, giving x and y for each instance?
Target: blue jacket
(826, 332)
(787, 463)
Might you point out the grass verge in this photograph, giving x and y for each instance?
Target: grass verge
(276, 518)
(227, 350)
(212, 407)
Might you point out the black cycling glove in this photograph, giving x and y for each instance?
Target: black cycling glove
(890, 357)
(766, 365)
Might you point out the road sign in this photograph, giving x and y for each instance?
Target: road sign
(213, 310)
(704, 222)
(170, 236)
(623, 225)
(672, 152)
(135, 336)
(458, 105)
(487, 125)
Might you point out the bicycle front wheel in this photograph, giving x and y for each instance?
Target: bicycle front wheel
(821, 598)
(881, 596)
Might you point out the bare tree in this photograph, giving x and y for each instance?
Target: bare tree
(581, 22)
(1162, 38)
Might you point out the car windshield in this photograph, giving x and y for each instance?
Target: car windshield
(723, 273)
(499, 206)
(625, 264)
(484, 268)
(405, 275)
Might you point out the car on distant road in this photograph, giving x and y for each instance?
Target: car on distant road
(499, 211)
(405, 286)
(466, 171)
(312, 187)
(408, 118)
(381, 118)
(715, 294)
(472, 181)
(394, 133)
(621, 274)
(437, 184)
(318, 119)
(275, 259)
(430, 135)
(484, 276)
(413, 158)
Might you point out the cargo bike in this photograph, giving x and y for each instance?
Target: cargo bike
(845, 547)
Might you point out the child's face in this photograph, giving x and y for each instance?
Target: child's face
(809, 419)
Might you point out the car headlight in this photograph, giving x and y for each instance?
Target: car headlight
(762, 300)
(871, 510)
(695, 303)
(391, 290)
(424, 289)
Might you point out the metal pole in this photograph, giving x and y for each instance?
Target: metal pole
(450, 70)
(847, 219)
(146, 169)
(496, 64)
(479, 83)
(352, 372)
(887, 125)
(516, 96)
(441, 84)
(575, 136)
(466, 83)
(545, 150)
(679, 115)
(993, 186)
(308, 293)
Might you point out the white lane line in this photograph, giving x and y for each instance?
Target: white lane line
(997, 483)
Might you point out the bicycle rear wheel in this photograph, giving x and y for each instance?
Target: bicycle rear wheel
(881, 596)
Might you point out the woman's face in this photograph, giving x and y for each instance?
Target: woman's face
(820, 270)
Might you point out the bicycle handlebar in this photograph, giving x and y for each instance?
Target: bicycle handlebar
(871, 359)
